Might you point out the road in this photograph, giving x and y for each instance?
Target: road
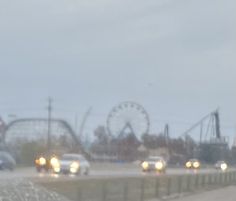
(19, 184)
(106, 172)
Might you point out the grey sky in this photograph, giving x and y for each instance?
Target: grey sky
(175, 57)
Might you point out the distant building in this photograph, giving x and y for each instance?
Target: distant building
(161, 151)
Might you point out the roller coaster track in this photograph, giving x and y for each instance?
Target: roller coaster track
(43, 121)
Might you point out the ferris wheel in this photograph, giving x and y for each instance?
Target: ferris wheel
(128, 117)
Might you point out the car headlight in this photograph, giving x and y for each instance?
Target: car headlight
(159, 165)
(196, 164)
(57, 169)
(74, 167)
(188, 164)
(42, 161)
(145, 165)
(54, 162)
(223, 166)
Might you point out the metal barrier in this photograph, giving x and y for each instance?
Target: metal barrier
(140, 188)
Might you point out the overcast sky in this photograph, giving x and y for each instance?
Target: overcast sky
(174, 57)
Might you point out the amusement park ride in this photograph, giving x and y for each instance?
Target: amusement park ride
(128, 117)
(212, 145)
(124, 119)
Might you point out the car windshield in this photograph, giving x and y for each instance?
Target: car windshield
(154, 159)
(4, 156)
(71, 158)
(194, 160)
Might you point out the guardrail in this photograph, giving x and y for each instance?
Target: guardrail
(139, 188)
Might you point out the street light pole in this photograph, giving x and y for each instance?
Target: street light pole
(49, 124)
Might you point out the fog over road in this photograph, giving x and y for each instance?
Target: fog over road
(30, 173)
(22, 184)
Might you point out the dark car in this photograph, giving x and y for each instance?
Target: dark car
(7, 161)
(193, 164)
(45, 162)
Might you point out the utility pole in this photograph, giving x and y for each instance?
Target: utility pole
(49, 108)
(217, 124)
(201, 130)
(166, 133)
(167, 137)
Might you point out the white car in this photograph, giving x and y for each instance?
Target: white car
(154, 163)
(221, 165)
(72, 164)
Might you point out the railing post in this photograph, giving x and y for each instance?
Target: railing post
(104, 191)
(215, 178)
(229, 178)
(157, 192)
(226, 178)
(209, 179)
(196, 181)
(180, 184)
(188, 182)
(221, 178)
(213, 181)
(126, 191)
(142, 190)
(203, 180)
(168, 186)
(79, 194)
